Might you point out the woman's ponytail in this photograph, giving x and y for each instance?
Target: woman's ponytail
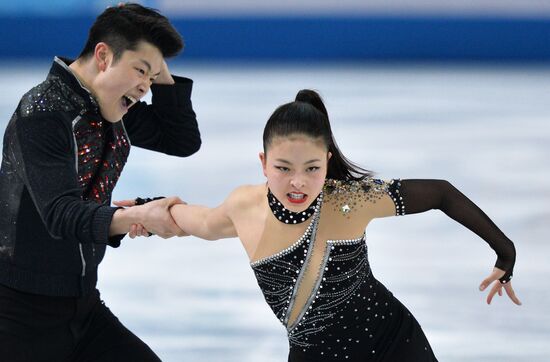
(308, 115)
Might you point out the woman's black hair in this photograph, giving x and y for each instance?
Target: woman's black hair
(308, 116)
(124, 26)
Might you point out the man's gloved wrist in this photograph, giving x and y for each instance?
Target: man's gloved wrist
(143, 201)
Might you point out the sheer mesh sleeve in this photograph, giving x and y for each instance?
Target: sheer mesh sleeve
(423, 195)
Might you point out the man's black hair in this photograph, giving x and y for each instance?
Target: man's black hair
(123, 27)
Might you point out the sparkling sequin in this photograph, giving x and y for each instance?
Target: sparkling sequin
(101, 157)
(345, 209)
(52, 95)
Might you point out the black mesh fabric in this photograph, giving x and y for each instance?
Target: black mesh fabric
(423, 195)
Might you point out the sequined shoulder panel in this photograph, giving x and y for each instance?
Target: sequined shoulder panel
(52, 95)
(347, 196)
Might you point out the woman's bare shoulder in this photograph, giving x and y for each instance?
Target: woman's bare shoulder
(246, 196)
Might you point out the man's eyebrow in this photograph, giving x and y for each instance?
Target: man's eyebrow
(148, 65)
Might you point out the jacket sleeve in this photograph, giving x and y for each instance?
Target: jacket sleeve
(423, 195)
(169, 124)
(44, 152)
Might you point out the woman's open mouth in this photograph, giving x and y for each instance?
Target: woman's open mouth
(296, 197)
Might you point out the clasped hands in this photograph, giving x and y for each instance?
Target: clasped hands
(151, 218)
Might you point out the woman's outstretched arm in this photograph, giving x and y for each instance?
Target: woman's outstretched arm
(211, 223)
(423, 195)
(415, 196)
(204, 222)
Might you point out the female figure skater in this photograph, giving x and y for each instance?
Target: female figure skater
(304, 232)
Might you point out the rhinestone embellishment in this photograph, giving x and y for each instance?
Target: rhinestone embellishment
(290, 217)
(345, 209)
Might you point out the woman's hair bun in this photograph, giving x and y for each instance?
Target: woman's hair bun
(311, 97)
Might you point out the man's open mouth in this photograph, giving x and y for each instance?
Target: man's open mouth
(128, 101)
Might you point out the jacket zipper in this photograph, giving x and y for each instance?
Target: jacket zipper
(83, 274)
(82, 259)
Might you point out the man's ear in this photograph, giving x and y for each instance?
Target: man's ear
(102, 56)
(263, 160)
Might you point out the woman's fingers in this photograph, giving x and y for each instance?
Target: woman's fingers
(510, 291)
(495, 275)
(495, 289)
(139, 230)
(494, 278)
(124, 203)
(133, 231)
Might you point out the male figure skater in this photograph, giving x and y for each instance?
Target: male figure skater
(64, 149)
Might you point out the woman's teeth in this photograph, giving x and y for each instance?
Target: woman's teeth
(296, 196)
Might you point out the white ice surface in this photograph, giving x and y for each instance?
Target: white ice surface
(484, 128)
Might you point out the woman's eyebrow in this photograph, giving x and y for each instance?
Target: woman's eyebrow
(281, 160)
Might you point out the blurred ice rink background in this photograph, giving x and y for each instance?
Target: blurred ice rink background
(481, 125)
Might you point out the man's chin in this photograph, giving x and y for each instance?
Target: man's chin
(112, 118)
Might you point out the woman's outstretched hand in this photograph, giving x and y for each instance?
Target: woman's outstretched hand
(497, 286)
(135, 229)
(156, 218)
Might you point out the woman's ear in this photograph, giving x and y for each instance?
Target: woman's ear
(263, 160)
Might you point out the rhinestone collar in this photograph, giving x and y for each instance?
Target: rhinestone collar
(290, 217)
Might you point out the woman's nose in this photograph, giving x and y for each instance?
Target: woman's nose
(297, 183)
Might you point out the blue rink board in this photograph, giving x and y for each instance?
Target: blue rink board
(310, 39)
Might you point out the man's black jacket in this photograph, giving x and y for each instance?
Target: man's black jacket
(60, 163)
